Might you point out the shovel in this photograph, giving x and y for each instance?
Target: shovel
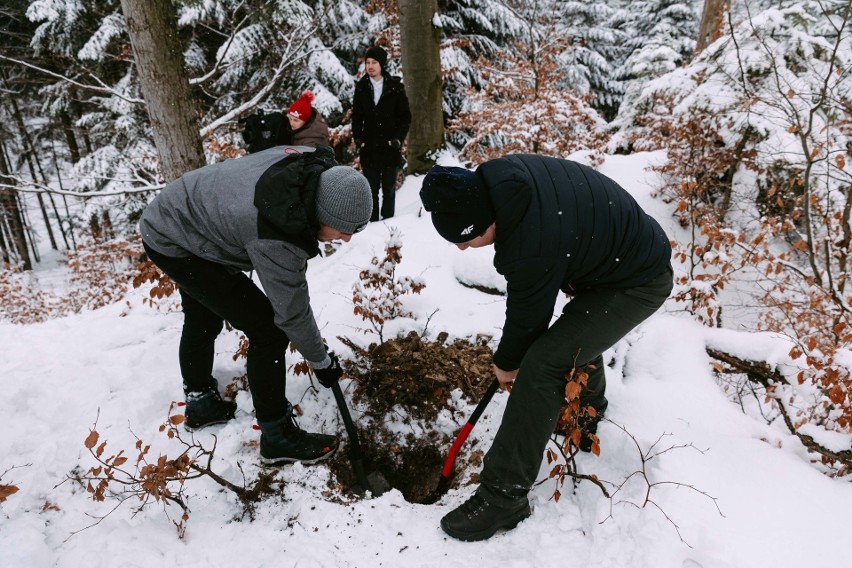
(373, 482)
(447, 472)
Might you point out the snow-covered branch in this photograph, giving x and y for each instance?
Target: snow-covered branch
(98, 89)
(291, 57)
(34, 187)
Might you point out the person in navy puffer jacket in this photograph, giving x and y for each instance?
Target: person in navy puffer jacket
(557, 226)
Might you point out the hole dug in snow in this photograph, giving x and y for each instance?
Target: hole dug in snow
(401, 386)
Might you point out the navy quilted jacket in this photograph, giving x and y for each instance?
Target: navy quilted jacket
(563, 226)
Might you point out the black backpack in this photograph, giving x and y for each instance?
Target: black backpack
(285, 197)
(264, 130)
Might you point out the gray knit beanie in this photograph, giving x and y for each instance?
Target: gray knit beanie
(344, 200)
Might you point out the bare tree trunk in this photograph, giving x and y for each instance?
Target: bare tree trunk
(70, 138)
(152, 26)
(33, 162)
(421, 65)
(5, 253)
(29, 152)
(12, 214)
(712, 19)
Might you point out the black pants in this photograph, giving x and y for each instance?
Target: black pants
(386, 178)
(212, 293)
(592, 322)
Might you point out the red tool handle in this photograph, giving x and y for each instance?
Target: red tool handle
(466, 429)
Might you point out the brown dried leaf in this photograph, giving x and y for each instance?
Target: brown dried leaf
(836, 394)
(572, 390)
(91, 439)
(575, 438)
(7, 491)
(596, 445)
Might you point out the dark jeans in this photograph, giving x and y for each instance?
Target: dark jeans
(591, 322)
(386, 178)
(212, 293)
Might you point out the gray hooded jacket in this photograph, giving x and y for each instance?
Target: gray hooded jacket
(210, 213)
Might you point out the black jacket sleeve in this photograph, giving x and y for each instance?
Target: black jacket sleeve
(532, 286)
(403, 115)
(359, 111)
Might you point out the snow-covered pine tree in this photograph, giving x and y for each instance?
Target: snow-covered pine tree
(474, 32)
(524, 106)
(593, 45)
(659, 36)
(239, 55)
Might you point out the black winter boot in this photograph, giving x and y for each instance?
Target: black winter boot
(205, 408)
(589, 427)
(476, 519)
(282, 441)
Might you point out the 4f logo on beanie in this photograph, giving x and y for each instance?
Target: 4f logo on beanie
(467, 230)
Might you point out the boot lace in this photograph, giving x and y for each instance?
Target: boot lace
(473, 507)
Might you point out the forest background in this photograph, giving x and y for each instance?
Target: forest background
(748, 100)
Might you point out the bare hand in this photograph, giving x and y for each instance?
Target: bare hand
(506, 378)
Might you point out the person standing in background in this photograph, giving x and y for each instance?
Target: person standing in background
(380, 121)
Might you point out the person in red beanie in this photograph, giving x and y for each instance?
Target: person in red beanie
(308, 125)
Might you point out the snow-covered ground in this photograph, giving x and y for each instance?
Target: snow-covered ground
(117, 367)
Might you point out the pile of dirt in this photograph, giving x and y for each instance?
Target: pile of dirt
(417, 376)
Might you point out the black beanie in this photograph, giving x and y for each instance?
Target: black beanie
(459, 202)
(378, 54)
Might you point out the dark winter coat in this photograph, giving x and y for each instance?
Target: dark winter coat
(252, 213)
(313, 133)
(378, 126)
(563, 226)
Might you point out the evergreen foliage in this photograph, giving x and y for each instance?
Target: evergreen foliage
(659, 37)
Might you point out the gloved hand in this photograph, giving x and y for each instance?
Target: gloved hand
(395, 144)
(331, 374)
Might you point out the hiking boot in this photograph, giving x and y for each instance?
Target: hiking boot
(282, 441)
(477, 519)
(588, 428)
(206, 408)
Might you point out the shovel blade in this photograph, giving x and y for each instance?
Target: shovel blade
(437, 493)
(376, 484)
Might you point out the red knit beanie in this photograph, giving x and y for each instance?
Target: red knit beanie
(301, 109)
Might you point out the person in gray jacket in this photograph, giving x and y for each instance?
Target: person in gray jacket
(263, 212)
